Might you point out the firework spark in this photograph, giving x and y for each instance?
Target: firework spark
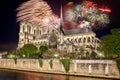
(37, 12)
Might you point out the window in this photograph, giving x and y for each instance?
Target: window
(34, 32)
(88, 39)
(37, 32)
(75, 49)
(29, 29)
(79, 40)
(23, 28)
(75, 40)
(53, 30)
(92, 39)
(84, 40)
(40, 32)
(33, 37)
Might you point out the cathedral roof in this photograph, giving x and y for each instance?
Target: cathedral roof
(77, 31)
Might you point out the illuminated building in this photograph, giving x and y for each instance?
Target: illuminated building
(70, 41)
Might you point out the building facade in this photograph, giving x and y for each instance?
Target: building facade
(70, 41)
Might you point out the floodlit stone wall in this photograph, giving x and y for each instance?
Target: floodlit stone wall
(96, 68)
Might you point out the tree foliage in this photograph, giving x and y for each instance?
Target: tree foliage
(51, 63)
(110, 44)
(40, 62)
(118, 63)
(66, 63)
(42, 49)
(12, 55)
(28, 50)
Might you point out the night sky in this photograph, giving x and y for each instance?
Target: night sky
(9, 28)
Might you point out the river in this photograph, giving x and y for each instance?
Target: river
(20, 75)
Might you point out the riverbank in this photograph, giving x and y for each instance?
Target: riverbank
(23, 75)
(91, 68)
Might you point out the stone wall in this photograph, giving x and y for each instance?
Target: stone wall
(95, 68)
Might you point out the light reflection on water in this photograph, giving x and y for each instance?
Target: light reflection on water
(19, 75)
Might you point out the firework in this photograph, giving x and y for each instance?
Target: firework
(51, 21)
(37, 12)
(104, 10)
(86, 14)
(89, 4)
(69, 15)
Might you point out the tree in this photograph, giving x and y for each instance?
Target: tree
(42, 49)
(66, 63)
(110, 44)
(12, 55)
(28, 50)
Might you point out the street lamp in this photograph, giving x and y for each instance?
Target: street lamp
(100, 55)
(56, 55)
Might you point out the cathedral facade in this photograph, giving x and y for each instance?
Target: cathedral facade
(71, 41)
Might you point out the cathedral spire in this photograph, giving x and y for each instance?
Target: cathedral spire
(61, 24)
(61, 18)
(61, 14)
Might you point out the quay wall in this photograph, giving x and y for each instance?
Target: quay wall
(93, 68)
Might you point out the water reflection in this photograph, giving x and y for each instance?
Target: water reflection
(19, 75)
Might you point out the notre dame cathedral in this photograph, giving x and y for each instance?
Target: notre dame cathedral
(71, 41)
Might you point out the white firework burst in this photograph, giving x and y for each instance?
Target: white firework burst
(35, 12)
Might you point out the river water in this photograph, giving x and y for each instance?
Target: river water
(20, 75)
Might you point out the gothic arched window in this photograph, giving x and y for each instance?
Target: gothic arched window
(79, 40)
(88, 39)
(84, 40)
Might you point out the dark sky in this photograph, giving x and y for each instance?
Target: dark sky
(9, 29)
